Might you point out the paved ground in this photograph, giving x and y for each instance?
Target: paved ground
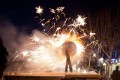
(51, 76)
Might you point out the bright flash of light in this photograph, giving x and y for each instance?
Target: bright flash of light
(80, 48)
(39, 10)
(72, 38)
(52, 10)
(61, 39)
(101, 60)
(46, 51)
(43, 24)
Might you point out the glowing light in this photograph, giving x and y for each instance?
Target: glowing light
(104, 64)
(60, 9)
(39, 10)
(25, 53)
(94, 55)
(78, 70)
(80, 48)
(92, 34)
(101, 60)
(84, 71)
(35, 38)
(43, 24)
(79, 21)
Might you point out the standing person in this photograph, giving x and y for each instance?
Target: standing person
(116, 74)
(3, 59)
(68, 61)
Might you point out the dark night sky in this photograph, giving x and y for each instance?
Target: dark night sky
(22, 12)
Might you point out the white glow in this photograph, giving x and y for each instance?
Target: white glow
(39, 10)
(92, 34)
(80, 48)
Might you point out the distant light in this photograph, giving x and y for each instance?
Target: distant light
(94, 55)
(104, 64)
(43, 24)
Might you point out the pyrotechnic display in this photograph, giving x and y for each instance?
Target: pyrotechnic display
(59, 39)
(45, 51)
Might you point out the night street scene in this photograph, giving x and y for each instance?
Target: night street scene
(59, 40)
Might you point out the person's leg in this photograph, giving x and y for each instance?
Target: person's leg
(66, 66)
(70, 66)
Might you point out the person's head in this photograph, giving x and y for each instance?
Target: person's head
(117, 67)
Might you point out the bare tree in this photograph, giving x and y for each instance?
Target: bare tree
(106, 25)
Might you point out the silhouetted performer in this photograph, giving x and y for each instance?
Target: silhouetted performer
(3, 60)
(116, 74)
(68, 61)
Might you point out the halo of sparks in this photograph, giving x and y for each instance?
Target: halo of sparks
(42, 51)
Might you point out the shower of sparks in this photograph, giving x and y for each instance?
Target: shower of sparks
(44, 52)
(79, 21)
(58, 12)
(39, 10)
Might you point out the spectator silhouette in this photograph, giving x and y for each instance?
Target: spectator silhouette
(3, 60)
(116, 74)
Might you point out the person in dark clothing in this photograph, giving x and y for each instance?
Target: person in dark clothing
(116, 74)
(3, 60)
(68, 61)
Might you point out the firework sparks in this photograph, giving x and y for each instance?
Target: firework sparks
(92, 34)
(79, 21)
(60, 9)
(57, 10)
(47, 50)
(52, 10)
(39, 10)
